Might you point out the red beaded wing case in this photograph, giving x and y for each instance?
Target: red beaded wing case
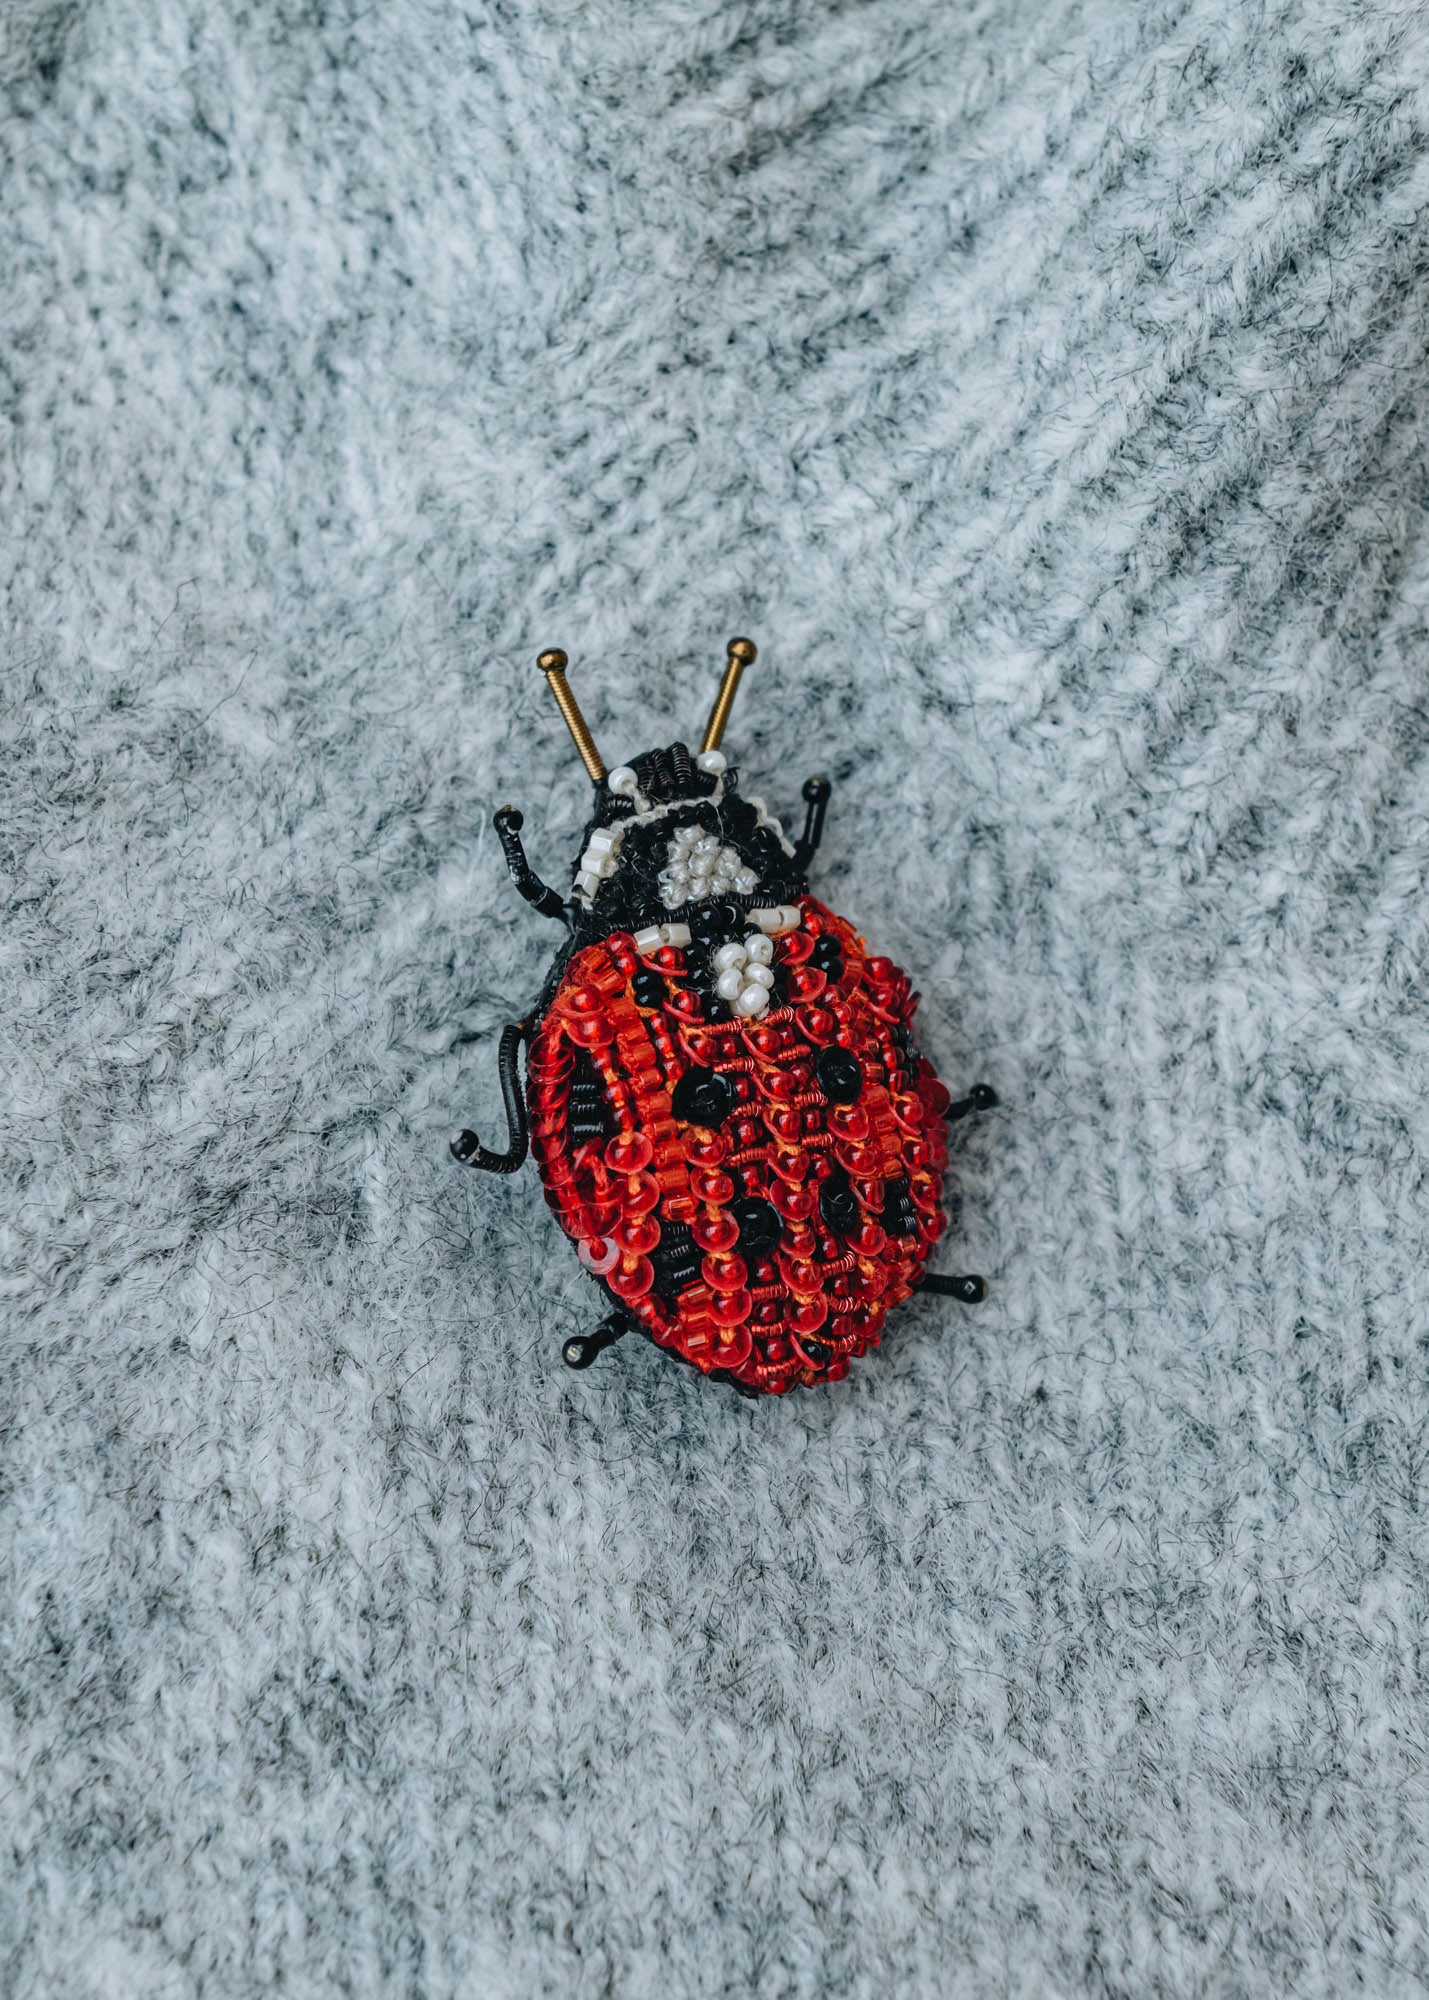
(729, 1115)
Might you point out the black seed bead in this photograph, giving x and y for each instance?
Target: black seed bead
(816, 1351)
(703, 1097)
(648, 987)
(759, 1225)
(828, 956)
(840, 1075)
(838, 1203)
(898, 1216)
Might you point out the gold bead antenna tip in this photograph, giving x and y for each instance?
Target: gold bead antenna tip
(553, 665)
(741, 653)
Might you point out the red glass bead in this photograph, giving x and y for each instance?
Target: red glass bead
(668, 959)
(639, 1194)
(850, 1121)
(870, 1239)
(632, 1277)
(715, 1230)
(794, 947)
(732, 1308)
(734, 1347)
(807, 983)
(793, 1201)
(637, 1234)
(711, 1185)
(792, 1165)
(724, 1273)
(809, 1314)
(706, 1149)
(628, 1152)
(817, 1023)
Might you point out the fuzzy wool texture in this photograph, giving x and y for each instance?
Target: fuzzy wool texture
(1044, 387)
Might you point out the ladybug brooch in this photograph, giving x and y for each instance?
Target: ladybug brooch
(730, 1117)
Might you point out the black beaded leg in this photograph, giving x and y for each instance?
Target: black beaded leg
(982, 1097)
(467, 1149)
(508, 823)
(972, 1291)
(583, 1348)
(816, 798)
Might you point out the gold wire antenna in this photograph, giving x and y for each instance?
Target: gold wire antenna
(553, 666)
(742, 653)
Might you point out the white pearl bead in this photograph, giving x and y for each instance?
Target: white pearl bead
(729, 954)
(746, 881)
(758, 950)
(730, 984)
(752, 1000)
(713, 761)
(759, 975)
(623, 782)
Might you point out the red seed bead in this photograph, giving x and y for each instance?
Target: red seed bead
(817, 1023)
(794, 1202)
(583, 999)
(794, 947)
(784, 1120)
(800, 1240)
(870, 1239)
(732, 1308)
(637, 1234)
(706, 1149)
(632, 1277)
(807, 983)
(792, 1165)
(747, 1132)
(628, 1152)
(735, 1346)
(724, 1273)
(639, 1194)
(809, 1314)
(711, 1185)
(668, 959)
(715, 1230)
(800, 1276)
(767, 1041)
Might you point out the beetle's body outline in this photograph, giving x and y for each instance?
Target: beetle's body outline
(728, 1112)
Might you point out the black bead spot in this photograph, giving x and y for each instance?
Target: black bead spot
(648, 987)
(676, 1259)
(703, 1097)
(713, 922)
(828, 956)
(898, 1216)
(840, 1075)
(838, 1204)
(817, 1352)
(759, 1226)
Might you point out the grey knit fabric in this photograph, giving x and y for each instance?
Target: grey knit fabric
(1044, 388)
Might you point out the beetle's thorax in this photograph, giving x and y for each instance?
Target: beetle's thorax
(671, 836)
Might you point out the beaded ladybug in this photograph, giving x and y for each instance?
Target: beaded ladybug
(729, 1116)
